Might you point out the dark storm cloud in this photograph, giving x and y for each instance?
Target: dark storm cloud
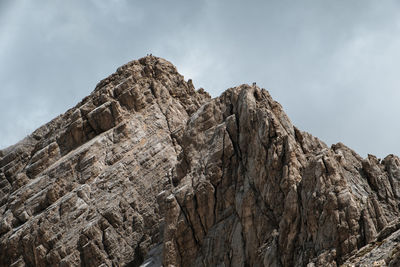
(332, 65)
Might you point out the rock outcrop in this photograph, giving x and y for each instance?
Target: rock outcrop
(148, 171)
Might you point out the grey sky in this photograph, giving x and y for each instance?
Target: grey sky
(333, 65)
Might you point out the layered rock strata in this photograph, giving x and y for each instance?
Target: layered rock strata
(81, 190)
(148, 171)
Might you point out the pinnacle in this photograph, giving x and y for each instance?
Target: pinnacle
(146, 167)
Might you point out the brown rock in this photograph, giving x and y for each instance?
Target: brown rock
(148, 170)
(81, 190)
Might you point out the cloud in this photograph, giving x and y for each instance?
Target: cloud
(332, 65)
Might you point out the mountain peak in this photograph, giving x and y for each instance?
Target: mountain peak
(147, 170)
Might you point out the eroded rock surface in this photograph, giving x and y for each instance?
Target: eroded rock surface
(82, 189)
(146, 170)
(258, 191)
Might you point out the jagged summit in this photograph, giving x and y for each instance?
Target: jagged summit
(147, 170)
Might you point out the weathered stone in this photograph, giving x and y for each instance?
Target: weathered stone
(146, 170)
(100, 166)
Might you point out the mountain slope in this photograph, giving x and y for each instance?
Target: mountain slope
(146, 169)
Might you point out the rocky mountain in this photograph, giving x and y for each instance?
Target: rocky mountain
(147, 171)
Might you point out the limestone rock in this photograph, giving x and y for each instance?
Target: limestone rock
(81, 190)
(148, 171)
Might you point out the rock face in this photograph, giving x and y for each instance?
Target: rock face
(148, 171)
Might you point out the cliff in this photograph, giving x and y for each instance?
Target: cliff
(148, 171)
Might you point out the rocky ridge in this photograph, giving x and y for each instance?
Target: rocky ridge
(148, 171)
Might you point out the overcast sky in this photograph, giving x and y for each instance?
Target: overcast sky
(333, 65)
